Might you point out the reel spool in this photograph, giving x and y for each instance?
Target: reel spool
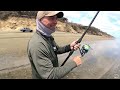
(85, 48)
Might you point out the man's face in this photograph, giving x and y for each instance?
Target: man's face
(49, 21)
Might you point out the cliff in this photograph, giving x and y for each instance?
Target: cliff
(15, 20)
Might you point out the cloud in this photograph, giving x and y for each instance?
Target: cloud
(106, 21)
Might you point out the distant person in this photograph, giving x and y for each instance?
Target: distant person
(43, 50)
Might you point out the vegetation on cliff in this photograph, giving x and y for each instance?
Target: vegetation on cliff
(15, 20)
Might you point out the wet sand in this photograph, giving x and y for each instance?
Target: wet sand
(101, 62)
(13, 57)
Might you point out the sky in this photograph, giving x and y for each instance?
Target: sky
(106, 21)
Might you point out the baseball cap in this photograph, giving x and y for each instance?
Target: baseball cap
(42, 14)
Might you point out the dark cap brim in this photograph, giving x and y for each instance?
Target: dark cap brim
(60, 15)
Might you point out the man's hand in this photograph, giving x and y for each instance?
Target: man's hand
(74, 46)
(77, 60)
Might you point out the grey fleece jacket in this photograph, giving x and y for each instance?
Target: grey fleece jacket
(43, 58)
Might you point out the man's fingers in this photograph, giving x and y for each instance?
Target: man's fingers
(76, 46)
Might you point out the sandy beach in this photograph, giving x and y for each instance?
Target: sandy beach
(14, 63)
(13, 56)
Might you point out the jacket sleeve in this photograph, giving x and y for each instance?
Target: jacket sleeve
(64, 49)
(42, 60)
(61, 50)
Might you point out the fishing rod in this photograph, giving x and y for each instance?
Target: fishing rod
(71, 52)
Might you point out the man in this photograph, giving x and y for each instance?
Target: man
(43, 50)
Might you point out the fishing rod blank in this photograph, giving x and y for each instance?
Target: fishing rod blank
(71, 52)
